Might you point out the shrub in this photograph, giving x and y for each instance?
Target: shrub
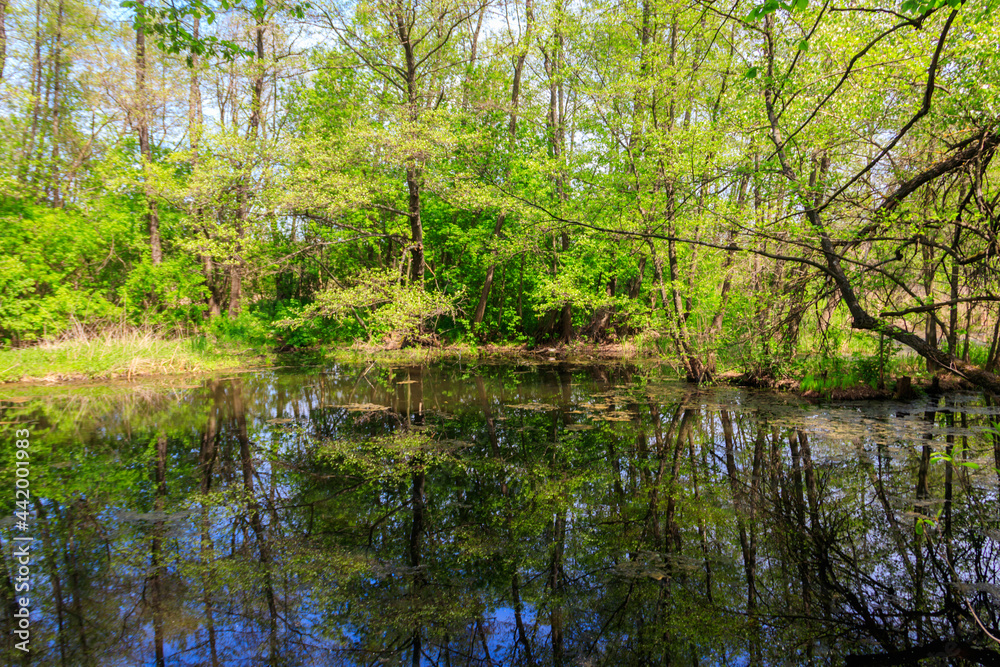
(383, 306)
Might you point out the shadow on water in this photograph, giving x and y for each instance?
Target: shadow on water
(501, 515)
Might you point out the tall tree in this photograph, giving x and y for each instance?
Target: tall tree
(405, 43)
(141, 121)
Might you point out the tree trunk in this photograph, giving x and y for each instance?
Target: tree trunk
(556, 588)
(416, 540)
(799, 509)
(195, 128)
(953, 284)
(206, 463)
(36, 91)
(994, 353)
(50, 556)
(515, 98)
(258, 80)
(860, 318)
(3, 37)
(930, 327)
(53, 183)
(601, 321)
(259, 529)
(484, 295)
(235, 283)
(414, 172)
(195, 115)
(236, 264)
(566, 316)
(145, 150)
(555, 131)
(156, 579)
(473, 49)
(73, 566)
(692, 363)
(413, 183)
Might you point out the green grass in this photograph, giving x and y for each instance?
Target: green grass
(119, 354)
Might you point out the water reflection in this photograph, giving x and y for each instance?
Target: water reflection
(459, 515)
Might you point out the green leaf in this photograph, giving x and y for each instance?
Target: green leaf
(804, 45)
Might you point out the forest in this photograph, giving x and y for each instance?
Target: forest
(728, 184)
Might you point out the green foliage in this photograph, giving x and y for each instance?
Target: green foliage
(954, 458)
(878, 366)
(246, 329)
(56, 265)
(169, 24)
(381, 303)
(834, 370)
(771, 6)
(755, 339)
(924, 6)
(829, 374)
(168, 293)
(388, 459)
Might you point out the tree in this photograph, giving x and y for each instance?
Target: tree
(406, 45)
(838, 229)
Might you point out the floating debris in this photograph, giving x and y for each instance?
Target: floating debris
(360, 407)
(532, 406)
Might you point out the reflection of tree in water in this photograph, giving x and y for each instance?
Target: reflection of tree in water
(548, 517)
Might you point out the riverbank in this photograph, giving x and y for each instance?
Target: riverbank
(137, 353)
(576, 351)
(134, 354)
(122, 355)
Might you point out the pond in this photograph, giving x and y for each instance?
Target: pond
(535, 514)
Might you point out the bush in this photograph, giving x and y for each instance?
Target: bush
(51, 270)
(384, 308)
(247, 328)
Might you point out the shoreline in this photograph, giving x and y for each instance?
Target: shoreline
(204, 362)
(129, 356)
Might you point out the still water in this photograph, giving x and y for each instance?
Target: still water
(499, 515)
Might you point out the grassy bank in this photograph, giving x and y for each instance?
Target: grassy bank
(118, 353)
(121, 355)
(859, 366)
